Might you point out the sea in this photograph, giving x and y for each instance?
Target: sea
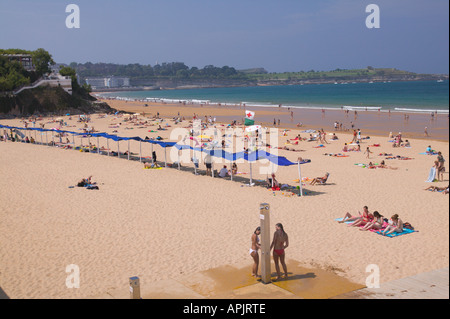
(406, 97)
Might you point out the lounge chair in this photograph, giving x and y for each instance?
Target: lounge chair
(320, 180)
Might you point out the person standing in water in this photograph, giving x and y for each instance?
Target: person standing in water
(279, 244)
(254, 251)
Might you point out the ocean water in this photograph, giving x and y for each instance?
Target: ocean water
(424, 96)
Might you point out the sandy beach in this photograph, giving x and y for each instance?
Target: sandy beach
(161, 224)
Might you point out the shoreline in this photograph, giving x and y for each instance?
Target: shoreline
(370, 122)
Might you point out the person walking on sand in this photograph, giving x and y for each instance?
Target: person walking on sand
(279, 243)
(254, 251)
(368, 152)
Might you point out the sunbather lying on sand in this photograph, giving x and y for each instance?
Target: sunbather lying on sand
(438, 189)
(366, 215)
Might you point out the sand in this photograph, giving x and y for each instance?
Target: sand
(163, 224)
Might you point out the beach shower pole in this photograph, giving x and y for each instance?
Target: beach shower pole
(118, 149)
(98, 145)
(46, 138)
(107, 144)
(140, 151)
(264, 216)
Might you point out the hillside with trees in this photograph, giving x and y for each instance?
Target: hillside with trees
(178, 74)
(44, 99)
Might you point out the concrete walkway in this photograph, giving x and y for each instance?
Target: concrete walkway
(430, 285)
(231, 283)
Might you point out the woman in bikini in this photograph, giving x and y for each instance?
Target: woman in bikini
(395, 226)
(364, 219)
(376, 223)
(254, 251)
(279, 243)
(350, 218)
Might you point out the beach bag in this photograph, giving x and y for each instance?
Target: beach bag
(408, 226)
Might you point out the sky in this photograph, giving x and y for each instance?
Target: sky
(280, 36)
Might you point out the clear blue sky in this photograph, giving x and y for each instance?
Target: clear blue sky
(282, 35)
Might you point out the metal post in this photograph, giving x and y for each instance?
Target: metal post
(165, 157)
(300, 179)
(135, 288)
(264, 216)
(128, 149)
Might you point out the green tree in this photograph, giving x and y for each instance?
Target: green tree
(42, 61)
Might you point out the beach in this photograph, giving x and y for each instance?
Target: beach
(163, 224)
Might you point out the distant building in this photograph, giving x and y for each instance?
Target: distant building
(25, 59)
(116, 82)
(108, 82)
(96, 83)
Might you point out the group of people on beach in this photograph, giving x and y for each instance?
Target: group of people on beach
(375, 221)
(279, 244)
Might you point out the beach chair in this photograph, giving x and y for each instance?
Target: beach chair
(323, 181)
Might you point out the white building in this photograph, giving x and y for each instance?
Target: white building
(108, 82)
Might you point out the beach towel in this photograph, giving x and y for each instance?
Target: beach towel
(379, 232)
(432, 175)
(425, 153)
(395, 234)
